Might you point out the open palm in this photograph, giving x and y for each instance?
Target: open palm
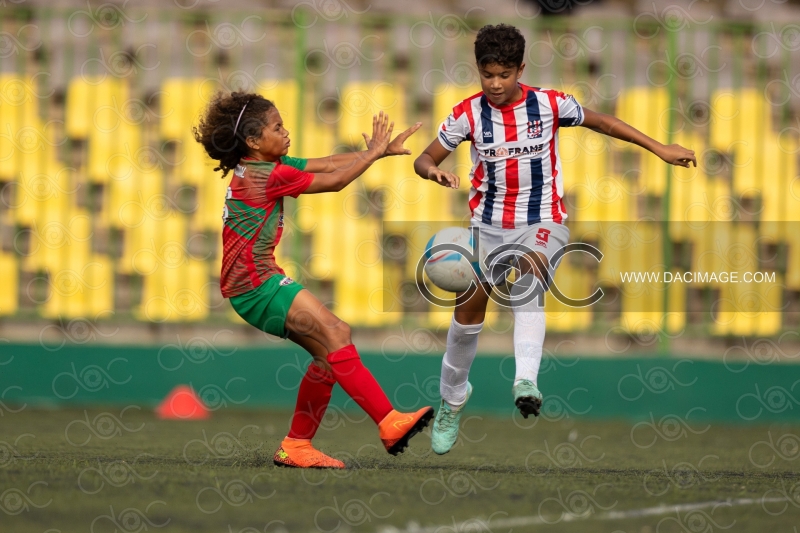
(395, 147)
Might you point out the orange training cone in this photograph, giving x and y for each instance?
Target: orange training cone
(182, 403)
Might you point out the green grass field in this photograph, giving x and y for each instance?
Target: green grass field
(105, 470)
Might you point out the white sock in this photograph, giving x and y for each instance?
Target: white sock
(529, 330)
(462, 345)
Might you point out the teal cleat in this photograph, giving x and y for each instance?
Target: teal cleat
(445, 426)
(527, 398)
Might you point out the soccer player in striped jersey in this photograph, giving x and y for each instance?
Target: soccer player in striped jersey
(516, 200)
(245, 133)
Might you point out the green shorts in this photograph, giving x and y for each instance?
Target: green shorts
(266, 306)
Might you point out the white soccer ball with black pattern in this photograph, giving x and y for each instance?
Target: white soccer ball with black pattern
(448, 269)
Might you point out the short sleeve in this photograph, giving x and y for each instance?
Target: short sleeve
(454, 130)
(287, 180)
(570, 112)
(297, 162)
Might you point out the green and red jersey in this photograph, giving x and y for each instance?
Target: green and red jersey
(253, 220)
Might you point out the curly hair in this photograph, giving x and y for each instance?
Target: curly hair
(502, 44)
(215, 131)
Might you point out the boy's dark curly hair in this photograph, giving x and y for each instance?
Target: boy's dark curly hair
(502, 44)
(215, 129)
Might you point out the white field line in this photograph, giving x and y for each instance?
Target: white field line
(469, 525)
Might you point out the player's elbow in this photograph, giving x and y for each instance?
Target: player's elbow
(339, 184)
(421, 164)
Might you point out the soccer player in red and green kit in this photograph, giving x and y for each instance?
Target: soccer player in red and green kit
(245, 133)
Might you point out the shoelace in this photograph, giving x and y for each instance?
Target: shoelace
(448, 419)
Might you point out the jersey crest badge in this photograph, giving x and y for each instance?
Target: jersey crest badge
(534, 129)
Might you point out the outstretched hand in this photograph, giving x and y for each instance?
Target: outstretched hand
(381, 134)
(393, 147)
(677, 155)
(396, 146)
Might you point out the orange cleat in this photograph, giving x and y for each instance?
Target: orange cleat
(298, 453)
(398, 428)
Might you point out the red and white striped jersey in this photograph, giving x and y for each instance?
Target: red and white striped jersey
(516, 171)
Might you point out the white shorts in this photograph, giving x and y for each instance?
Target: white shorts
(502, 247)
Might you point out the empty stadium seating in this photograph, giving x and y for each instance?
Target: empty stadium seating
(129, 160)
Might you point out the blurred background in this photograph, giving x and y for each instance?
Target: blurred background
(110, 212)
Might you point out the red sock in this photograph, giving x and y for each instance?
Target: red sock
(312, 400)
(359, 383)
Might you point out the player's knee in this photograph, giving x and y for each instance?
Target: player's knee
(466, 318)
(537, 265)
(339, 335)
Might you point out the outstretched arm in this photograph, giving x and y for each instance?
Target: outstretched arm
(335, 162)
(379, 145)
(674, 154)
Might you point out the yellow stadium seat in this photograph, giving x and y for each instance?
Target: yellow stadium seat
(317, 142)
(182, 103)
(173, 108)
(122, 197)
(744, 318)
(726, 314)
(28, 148)
(644, 109)
(780, 191)
(178, 288)
(393, 277)
(192, 302)
(688, 186)
(82, 285)
(54, 230)
(615, 253)
(96, 110)
(740, 115)
(95, 104)
(173, 276)
(614, 201)
(37, 185)
(741, 125)
(676, 309)
(573, 169)
(359, 101)
(10, 274)
(82, 100)
(347, 304)
(141, 217)
(642, 301)
(327, 252)
(118, 155)
(154, 306)
(285, 95)
(768, 321)
(574, 283)
(358, 287)
(100, 295)
(182, 100)
(740, 303)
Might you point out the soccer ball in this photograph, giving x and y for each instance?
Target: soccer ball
(450, 270)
